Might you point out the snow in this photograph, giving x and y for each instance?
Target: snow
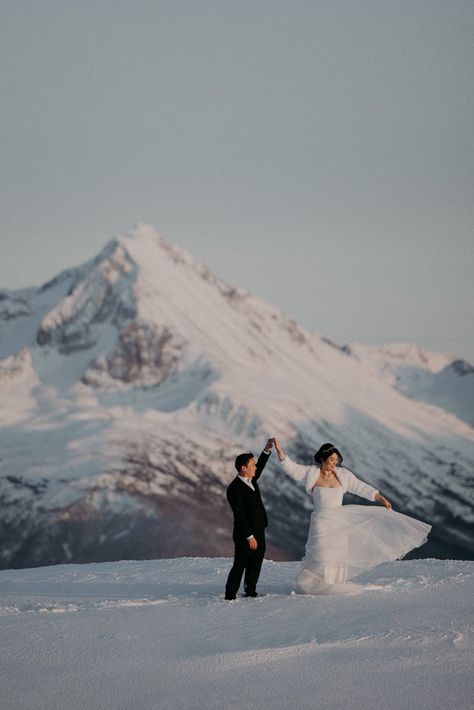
(18, 380)
(158, 634)
(233, 371)
(447, 389)
(384, 357)
(423, 375)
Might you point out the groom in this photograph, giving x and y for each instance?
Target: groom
(250, 521)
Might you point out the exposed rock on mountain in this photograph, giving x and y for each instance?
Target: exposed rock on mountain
(130, 383)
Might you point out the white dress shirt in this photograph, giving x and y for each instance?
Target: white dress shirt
(247, 481)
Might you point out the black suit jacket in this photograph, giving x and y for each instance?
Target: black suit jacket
(250, 517)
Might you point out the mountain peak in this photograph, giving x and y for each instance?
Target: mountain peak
(135, 379)
(144, 242)
(143, 310)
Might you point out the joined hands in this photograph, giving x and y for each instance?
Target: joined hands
(274, 442)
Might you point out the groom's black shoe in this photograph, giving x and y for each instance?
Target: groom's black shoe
(229, 599)
(253, 594)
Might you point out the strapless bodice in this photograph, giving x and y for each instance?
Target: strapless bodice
(327, 497)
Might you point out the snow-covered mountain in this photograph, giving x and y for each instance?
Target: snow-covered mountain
(427, 376)
(130, 383)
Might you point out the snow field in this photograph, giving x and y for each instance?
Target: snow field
(158, 635)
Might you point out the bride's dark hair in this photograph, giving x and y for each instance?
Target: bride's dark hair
(325, 451)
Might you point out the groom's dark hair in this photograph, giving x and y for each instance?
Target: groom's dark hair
(241, 460)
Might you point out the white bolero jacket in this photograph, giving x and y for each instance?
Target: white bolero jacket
(309, 475)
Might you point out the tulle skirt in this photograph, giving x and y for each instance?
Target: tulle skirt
(347, 540)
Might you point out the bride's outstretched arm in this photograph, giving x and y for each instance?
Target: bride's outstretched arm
(364, 490)
(295, 470)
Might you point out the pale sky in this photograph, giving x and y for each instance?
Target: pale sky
(317, 154)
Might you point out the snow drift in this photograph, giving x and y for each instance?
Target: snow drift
(158, 634)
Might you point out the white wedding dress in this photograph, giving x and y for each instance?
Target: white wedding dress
(346, 540)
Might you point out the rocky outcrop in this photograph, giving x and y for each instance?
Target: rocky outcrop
(144, 355)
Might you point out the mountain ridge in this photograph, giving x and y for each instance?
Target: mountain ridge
(133, 381)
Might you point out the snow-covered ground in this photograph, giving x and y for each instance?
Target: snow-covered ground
(158, 635)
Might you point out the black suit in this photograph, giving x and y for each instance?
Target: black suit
(250, 518)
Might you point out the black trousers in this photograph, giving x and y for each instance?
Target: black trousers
(248, 561)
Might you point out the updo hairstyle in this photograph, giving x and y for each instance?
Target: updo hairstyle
(325, 451)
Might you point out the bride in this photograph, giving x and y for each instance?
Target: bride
(344, 541)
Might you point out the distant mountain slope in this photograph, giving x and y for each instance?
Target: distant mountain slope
(132, 382)
(423, 375)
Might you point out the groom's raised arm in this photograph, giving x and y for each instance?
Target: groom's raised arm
(263, 458)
